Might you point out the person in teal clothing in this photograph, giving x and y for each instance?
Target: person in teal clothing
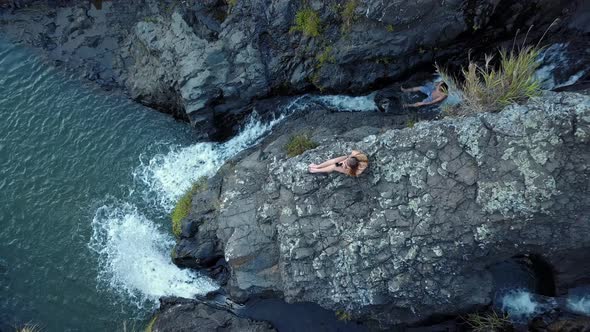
(435, 93)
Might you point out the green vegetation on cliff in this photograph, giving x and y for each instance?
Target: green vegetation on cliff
(307, 21)
(488, 89)
(299, 144)
(150, 325)
(183, 206)
(349, 14)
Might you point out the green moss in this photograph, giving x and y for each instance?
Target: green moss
(411, 123)
(299, 144)
(349, 14)
(390, 28)
(322, 58)
(308, 22)
(325, 57)
(315, 79)
(383, 61)
(232, 3)
(343, 315)
(150, 19)
(183, 206)
(150, 325)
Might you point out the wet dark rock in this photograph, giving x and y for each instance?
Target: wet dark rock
(561, 323)
(201, 61)
(176, 315)
(412, 238)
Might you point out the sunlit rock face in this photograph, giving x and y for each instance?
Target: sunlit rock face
(413, 236)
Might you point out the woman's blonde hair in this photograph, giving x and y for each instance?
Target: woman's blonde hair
(359, 164)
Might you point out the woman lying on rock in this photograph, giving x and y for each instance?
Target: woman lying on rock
(435, 93)
(352, 165)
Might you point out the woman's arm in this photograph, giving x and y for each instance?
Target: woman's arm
(414, 89)
(331, 162)
(437, 100)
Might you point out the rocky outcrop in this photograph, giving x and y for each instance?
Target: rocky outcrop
(414, 236)
(176, 315)
(206, 60)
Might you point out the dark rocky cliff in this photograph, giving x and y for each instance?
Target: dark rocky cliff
(413, 237)
(208, 60)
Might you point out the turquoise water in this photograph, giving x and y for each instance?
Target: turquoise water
(73, 165)
(88, 179)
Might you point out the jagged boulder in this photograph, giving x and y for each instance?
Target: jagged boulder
(177, 315)
(412, 237)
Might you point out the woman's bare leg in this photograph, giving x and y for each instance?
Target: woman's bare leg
(329, 162)
(327, 169)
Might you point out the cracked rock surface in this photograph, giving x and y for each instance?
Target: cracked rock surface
(414, 235)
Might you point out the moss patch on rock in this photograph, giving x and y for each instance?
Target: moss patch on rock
(183, 206)
(308, 22)
(349, 14)
(150, 325)
(299, 144)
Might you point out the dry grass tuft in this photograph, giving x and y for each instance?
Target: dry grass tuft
(29, 328)
(488, 89)
(488, 322)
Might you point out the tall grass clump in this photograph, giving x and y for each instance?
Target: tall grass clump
(488, 89)
(307, 21)
(298, 144)
(183, 206)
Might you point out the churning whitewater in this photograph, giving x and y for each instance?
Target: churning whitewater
(135, 257)
(167, 176)
(134, 251)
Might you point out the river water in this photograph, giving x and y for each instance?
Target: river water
(85, 191)
(88, 179)
(87, 182)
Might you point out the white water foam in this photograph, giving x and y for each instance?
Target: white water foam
(344, 103)
(579, 304)
(552, 58)
(572, 80)
(519, 304)
(168, 176)
(134, 258)
(133, 251)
